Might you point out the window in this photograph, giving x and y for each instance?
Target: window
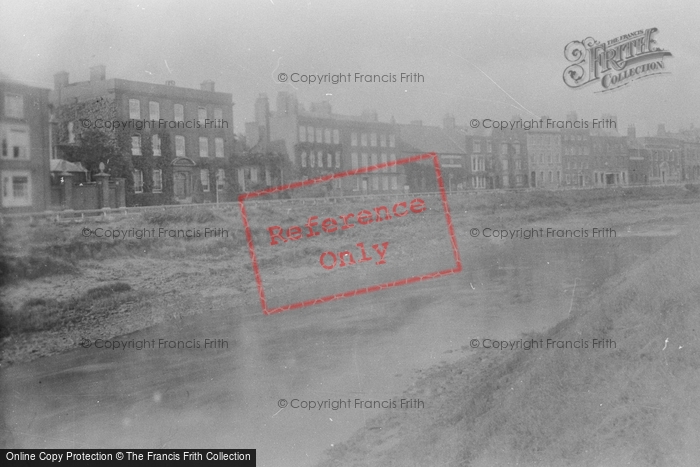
(374, 159)
(16, 188)
(354, 161)
(204, 179)
(382, 141)
(179, 146)
(241, 179)
(136, 145)
(568, 179)
(138, 181)
(254, 175)
(489, 146)
(517, 149)
(384, 161)
(385, 183)
(14, 106)
(336, 136)
(15, 144)
(327, 136)
(71, 132)
(219, 147)
(363, 139)
(392, 158)
(518, 165)
(303, 158)
(157, 181)
(203, 146)
(312, 159)
(337, 159)
(375, 183)
(155, 143)
(221, 179)
(134, 109)
(218, 117)
(504, 162)
(551, 179)
(365, 160)
(319, 154)
(353, 139)
(330, 160)
(319, 135)
(476, 146)
(302, 134)
(202, 115)
(179, 113)
(392, 141)
(310, 134)
(394, 182)
(373, 139)
(154, 110)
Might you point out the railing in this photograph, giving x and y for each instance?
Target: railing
(107, 213)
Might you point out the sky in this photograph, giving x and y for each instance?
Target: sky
(478, 59)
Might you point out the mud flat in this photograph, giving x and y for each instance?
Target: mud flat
(632, 400)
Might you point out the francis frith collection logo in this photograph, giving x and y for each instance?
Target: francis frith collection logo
(614, 63)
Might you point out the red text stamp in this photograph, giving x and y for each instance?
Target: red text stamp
(332, 244)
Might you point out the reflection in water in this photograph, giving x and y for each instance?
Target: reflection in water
(367, 347)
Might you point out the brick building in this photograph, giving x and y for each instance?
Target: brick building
(544, 148)
(448, 142)
(174, 144)
(320, 142)
(24, 147)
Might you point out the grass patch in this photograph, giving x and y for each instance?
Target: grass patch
(33, 266)
(40, 314)
(171, 216)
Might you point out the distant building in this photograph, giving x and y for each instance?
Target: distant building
(448, 142)
(24, 147)
(320, 142)
(544, 148)
(666, 157)
(175, 144)
(509, 157)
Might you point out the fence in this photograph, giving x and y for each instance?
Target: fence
(82, 215)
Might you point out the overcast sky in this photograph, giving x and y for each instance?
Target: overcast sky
(479, 59)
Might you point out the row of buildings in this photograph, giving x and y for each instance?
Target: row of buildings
(317, 141)
(114, 142)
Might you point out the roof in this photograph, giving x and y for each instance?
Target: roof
(424, 138)
(59, 165)
(277, 146)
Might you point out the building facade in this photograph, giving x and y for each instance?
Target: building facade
(319, 142)
(24, 148)
(544, 147)
(173, 144)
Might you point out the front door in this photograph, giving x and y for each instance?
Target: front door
(181, 191)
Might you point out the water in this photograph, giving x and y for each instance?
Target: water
(366, 348)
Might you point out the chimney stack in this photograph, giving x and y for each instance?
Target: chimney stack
(170, 83)
(448, 122)
(661, 130)
(207, 85)
(97, 73)
(631, 132)
(60, 79)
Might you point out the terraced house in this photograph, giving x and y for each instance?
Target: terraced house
(172, 144)
(24, 147)
(318, 142)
